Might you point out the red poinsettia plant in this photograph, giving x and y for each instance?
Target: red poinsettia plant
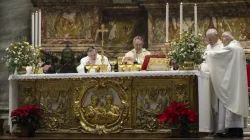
(27, 115)
(178, 115)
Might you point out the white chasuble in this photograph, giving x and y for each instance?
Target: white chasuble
(227, 68)
(138, 56)
(84, 61)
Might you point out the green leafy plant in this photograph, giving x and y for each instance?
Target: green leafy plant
(20, 54)
(188, 48)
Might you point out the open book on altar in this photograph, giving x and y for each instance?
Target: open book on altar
(156, 63)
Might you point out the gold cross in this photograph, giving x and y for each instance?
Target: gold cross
(102, 30)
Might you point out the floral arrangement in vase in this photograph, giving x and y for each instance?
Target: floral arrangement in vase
(178, 116)
(26, 118)
(21, 54)
(188, 48)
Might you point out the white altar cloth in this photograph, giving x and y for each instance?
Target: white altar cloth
(101, 75)
(204, 101)
(203, 88)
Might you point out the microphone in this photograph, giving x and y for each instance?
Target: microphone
(61, 67)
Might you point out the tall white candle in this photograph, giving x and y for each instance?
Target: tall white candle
(36, 28)
(181, 19)
(167, 21)
(39, 28)
(195, 21)
(33, 29)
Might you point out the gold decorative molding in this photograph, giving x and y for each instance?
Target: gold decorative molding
(106, 105)
(55, 101)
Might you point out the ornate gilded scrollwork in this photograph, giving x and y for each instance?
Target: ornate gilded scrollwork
(150, 102)
(28, 96)
(102, 106)
(181, 93)
(55, 103)
(152, 99)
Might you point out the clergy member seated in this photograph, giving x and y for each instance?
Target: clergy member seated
(137, 55)
(93, 58)
(227, 69)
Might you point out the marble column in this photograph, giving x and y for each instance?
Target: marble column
(15, 24)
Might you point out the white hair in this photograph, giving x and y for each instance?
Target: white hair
(211, 32)
(228, 35)
(139, 38)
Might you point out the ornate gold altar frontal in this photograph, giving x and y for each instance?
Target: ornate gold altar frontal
(126, 104)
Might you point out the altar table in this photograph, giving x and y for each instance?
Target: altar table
(111, 102)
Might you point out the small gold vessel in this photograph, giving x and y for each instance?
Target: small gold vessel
(188, 65)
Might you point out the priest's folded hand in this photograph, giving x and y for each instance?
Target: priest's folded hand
(129, 60)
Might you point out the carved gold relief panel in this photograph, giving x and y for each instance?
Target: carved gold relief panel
(56, 101)
(27, 94)
(102, 105)
(151, 96)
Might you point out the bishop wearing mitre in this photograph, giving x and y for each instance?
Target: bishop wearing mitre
(93, 58)
(137, 55)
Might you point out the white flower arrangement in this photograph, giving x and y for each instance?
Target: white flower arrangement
(189, 48)
(21, 54)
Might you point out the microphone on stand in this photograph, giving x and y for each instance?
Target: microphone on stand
(61, 67)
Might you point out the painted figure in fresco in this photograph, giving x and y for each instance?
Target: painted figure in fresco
(173, 29)
(128, 29)
(137, 55)
(188, 23)
(88, 24)
(95, 24)
(112, 33)
(214, 22)
(68, 25)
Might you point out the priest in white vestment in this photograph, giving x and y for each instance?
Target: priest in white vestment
(214, 44)
(213, 40)
(93, 58)
(138, 54)
(227, 68)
